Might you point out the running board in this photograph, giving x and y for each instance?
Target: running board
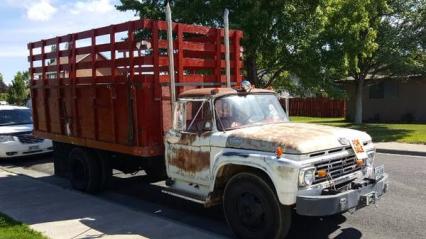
(185, 195)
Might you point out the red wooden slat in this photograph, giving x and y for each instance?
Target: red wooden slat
(236, 52)
(131, 44)
(60, 110)
(180, 59)
(188, 45)
(93, 87)
(113, 94)
(156, 59)
(74, 82)
(45, 91)
(33, 90)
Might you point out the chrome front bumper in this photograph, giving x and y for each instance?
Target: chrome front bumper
(312, 203)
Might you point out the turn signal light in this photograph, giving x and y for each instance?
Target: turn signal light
(359, 162)
(279, 151)
(322, 173)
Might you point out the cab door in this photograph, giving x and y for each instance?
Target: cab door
(188, 143)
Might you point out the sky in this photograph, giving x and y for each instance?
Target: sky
(24, 21)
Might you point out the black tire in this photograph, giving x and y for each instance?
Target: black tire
(253, 210)
(85, 171)
(106, 172)
(60, 159)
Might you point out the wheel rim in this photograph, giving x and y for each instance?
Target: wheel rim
(251, 211)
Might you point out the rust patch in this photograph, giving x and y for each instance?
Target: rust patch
(189, 160)
(187, 139)
(190, 138)
(295, 137)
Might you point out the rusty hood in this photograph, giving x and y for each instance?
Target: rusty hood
(296, 138)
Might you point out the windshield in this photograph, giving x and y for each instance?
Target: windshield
(15, 117)
(246, 110)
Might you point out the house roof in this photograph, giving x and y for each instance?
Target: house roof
(78, 58)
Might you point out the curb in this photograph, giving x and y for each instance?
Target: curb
(403, 152)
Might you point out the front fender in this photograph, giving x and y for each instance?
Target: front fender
(283, 173)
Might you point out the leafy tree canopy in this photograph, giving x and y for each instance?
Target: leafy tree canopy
(18, 91)
(371, 38)
(3, 86)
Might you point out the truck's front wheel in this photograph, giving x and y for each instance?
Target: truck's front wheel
(252, 208)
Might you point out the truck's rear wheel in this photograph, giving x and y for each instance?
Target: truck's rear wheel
(105, 168)
(85, 171)
(60, 159)
(252, 208)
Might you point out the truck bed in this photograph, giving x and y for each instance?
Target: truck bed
(108, 88)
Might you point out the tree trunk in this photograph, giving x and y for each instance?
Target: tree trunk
(252, 69)
(358, 100)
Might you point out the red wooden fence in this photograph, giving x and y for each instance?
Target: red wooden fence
(316, 107)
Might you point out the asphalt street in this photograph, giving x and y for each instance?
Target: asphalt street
(401, 213)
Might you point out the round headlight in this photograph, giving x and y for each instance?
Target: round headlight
(307, 176)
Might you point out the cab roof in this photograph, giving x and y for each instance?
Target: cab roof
(217, 92)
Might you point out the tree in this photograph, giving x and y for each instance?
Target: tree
(3, 86)
(275, 31)
(373, 38)
(18, 90)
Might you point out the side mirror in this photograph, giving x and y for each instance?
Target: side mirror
(207, 126)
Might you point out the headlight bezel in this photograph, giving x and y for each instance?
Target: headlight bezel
(6, 138)
(371, 155)
(303, 173)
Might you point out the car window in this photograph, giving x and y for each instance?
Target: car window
(15, 117)
(198, 114)
(192, 116)
(245, 110)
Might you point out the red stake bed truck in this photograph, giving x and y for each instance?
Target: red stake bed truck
(106, 98)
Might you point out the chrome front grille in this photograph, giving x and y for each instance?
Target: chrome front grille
(336, 168)
(28, 139)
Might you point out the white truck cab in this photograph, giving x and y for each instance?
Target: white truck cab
(239, 146)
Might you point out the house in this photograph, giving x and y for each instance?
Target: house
(389, 99)
(105, 71)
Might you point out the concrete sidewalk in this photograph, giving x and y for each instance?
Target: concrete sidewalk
(60, 213)
(401, 148)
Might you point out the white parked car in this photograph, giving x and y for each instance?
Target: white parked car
(16, 137)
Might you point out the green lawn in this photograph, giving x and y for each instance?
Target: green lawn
(11, 229)
(404, 133)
